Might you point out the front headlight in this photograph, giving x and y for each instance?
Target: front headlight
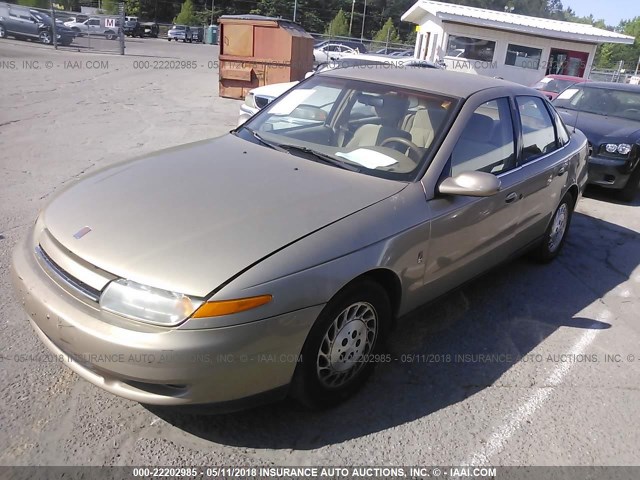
(621, 148)
(147, 304)
(250, 100)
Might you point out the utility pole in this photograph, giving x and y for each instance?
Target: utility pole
(295, 9)
(364, 17)
(353, 6)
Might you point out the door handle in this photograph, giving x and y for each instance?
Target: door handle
(512, 197)
(563, 169)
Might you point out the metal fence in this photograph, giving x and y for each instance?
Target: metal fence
(94, 32)
(610, 75)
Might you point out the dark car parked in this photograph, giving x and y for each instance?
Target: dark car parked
(133, 28)
(151, 29)
(609, 115)
(197, 34)
(24, 23)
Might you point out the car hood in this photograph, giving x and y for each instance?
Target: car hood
(274, 90)
(600, 128)
(190, 218)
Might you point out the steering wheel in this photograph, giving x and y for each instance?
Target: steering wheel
(407, 143)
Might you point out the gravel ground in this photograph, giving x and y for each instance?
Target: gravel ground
(541, 403)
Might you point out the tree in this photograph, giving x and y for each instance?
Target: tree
(35, 3)
(387, 34)
(187, 14)
(339, 26)
(611, 54)
(110, 7)
(274, 8)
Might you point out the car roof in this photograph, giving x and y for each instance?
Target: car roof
(456, 84)
(627, 87)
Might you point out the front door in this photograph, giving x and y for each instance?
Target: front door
(471, 234)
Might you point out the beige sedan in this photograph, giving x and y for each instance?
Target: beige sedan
(274, 259)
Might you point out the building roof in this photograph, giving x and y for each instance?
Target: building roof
(481, 17)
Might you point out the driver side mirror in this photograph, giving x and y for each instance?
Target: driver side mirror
(472, 184)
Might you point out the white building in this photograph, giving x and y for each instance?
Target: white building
(519, 48)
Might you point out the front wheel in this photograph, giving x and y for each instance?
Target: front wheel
(3, 32)
(556, 233)
(45, 37)
(340, 351)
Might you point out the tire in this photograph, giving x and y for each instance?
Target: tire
(109, 35)
(337, 355)
(556, 233)
(630, 190)
(3, 32)
(184, 40)
(168, 39)
(45, 37)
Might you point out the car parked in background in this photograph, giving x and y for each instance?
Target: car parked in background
(609, 115)
(108, 27)
(552, 85)
(133, 28)
(354, 44)
(260, 97)
(197, 34)
(24, 23)
(180, 32)
(151, 29)
(275, 259)
(332, 51)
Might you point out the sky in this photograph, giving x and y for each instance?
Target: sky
(611, 10)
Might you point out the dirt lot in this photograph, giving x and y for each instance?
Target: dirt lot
(530, 365)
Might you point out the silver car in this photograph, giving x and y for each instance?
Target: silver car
(274, 259)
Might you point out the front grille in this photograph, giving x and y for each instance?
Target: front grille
(65, 278)
(262, 102)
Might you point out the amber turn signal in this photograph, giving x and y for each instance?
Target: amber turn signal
(227, 307)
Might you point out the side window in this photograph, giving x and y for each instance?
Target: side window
(538, 132)
(486, 143)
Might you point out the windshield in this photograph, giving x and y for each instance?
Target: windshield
(601, 101)
(554, 85)
(178, 27)
(372, 128)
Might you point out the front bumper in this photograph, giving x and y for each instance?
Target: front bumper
(610, 172)
(157, 365)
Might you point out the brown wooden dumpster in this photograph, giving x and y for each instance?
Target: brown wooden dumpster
(257, 50)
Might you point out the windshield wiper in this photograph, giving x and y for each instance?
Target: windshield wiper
(266, 143)
(323, 157)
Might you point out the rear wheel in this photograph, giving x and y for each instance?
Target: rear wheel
(3, 32)
(628, 193)
(339, 352)
(556, 233)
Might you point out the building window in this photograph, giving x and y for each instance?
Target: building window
(470, 48)
(525, 57)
